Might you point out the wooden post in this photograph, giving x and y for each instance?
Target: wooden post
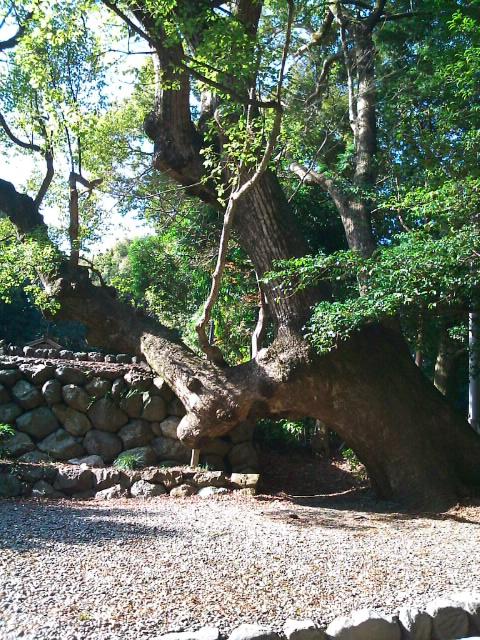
(195, 459)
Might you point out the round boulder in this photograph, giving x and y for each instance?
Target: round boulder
(9, 412)
(18, 444)
(70, 375)
(169, 449)
(72, 480)
(154, 408)
(40, 373)
(136, 433)
(27, 395)
(103, 444)
(117, 491)
(43, 489)
(39, 422)
(302, 630)
(143, 489)
(9, 377)
(4, 395)
(449, 619)
(253, 632)
(183, 491)
(97, 388)
(11, 486)
(364, 625)
(169, 426)
(132, 404)
(73, 421)
(76, 397)
(106, 416)
(415, 623)
(34, 457)
(52, 392)
(61, 446)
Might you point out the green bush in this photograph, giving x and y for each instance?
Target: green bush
(354, 464)
(127, 461)
(6, 431)
(283, 434)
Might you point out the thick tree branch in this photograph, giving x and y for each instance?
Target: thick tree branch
(47, 180)
(376, 15)
(20, 209)
(319, 36)
(352, 211)
(12, 42)
(48, 155)
(156, 40)
(129, 22)
(15, 139)
(323, 78)
(74, 212)
(258, 334)
(390, 17)
(310, 176)
(352, 106)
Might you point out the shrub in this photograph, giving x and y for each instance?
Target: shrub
(6, 431)
(127, 461)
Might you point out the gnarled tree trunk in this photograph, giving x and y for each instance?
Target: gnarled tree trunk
(415, 447)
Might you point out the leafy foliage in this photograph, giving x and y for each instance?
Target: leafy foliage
(127, 461)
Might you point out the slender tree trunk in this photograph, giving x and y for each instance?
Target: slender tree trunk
(445, 362)
(473, 371)
(74, 221)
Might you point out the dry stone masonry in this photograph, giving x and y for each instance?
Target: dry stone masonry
(95, 414)
(87, 479)
(454, 618)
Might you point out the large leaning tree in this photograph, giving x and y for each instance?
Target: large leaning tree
(225, 75)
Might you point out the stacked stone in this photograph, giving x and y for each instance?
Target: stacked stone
(87, 479)
(60, 412)
(454, 618)
(66, 354)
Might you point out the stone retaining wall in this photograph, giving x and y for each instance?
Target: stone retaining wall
(453, 618)
(66, 354)
(84, 480)
(63, 410)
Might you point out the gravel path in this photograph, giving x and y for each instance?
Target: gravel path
(132, 569)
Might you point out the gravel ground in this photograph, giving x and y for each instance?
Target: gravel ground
(136, 569)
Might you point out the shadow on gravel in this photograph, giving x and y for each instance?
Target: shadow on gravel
(324, 492)
(28, 525)
(355, 509)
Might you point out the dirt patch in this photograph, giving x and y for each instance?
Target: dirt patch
(301, 473)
